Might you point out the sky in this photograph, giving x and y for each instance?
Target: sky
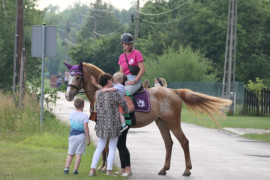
(63, 4)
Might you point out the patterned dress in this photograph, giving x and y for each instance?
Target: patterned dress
(108, 120)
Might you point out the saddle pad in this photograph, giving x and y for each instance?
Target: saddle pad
(142, 101)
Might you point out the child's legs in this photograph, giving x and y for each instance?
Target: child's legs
(69, 160)
(77, 161)
(122, 118)
(98, 151)
(112, 148)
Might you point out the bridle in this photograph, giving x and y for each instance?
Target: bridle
(76, 87)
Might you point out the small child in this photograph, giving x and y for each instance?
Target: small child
(79, 133)
(120, 88)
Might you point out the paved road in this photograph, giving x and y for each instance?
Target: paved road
(215, 154)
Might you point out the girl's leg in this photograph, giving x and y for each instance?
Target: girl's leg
(112, 148)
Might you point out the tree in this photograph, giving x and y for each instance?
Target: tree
(104, 53)
(32, 16)
(183, 65)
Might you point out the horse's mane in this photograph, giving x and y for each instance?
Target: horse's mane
(92, 69)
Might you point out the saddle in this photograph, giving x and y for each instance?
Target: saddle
(141, 103)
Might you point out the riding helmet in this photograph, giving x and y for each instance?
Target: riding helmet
(126, 38)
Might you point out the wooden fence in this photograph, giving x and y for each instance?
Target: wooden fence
(254, 105)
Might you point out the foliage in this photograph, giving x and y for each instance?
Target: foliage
(20, 120)
(203, 25)
(32, 16)
(23, 144)
(50, 95)
(183, 65)
(104, 58)
(256, 87)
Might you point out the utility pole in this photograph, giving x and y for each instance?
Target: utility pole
(136, 32)
(22, 77)
(15, 55)
(228, 89)
(20, 31)
(66, 44)
(95, 26)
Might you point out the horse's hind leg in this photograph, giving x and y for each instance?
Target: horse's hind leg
(177, 131)
(165, 133)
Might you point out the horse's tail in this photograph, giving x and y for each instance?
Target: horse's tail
(203, 103)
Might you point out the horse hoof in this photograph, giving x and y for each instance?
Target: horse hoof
(103, 169)
(162, 173)
(187, 173)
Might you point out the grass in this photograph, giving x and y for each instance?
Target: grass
(30, 153)
(255, 122)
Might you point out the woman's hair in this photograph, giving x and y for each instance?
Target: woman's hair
(118, 77)
(164, 82)
(159, 81)
(146, 84)
(103, 79)
(78, 103)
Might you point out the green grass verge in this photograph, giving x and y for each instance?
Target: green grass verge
(30, 153)
(255, 122)
(42, 156)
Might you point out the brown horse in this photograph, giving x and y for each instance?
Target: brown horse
(166, 106)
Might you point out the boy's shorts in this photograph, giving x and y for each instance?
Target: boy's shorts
(120, 109)
(76, 144)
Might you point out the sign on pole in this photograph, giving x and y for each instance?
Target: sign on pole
(43, 44)
(50, 41)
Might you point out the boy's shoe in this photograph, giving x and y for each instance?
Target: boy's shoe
(75, 172)
(66, 171)
(123, 129)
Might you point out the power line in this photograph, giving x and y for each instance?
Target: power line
(176, 21)
(108, 34)
(146, 14)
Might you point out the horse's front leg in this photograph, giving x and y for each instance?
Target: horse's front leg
(165, 133)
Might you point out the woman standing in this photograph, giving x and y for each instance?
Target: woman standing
(108, 123)
(131, 59)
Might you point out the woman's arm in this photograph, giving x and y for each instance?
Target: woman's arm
(121, 69)
(139, 75)
(112, 89)
(87, 135)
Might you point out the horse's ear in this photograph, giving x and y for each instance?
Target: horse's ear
(81, 66)
(68, 65)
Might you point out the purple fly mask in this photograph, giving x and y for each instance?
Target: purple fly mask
(74, 70)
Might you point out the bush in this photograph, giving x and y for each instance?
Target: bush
(255, 87)
(184, 65)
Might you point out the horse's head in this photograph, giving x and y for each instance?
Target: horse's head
(75, 80)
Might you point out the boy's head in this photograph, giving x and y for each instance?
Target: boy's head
(79, 103)
(118, 78)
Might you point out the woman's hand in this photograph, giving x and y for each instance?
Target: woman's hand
(130, 82)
